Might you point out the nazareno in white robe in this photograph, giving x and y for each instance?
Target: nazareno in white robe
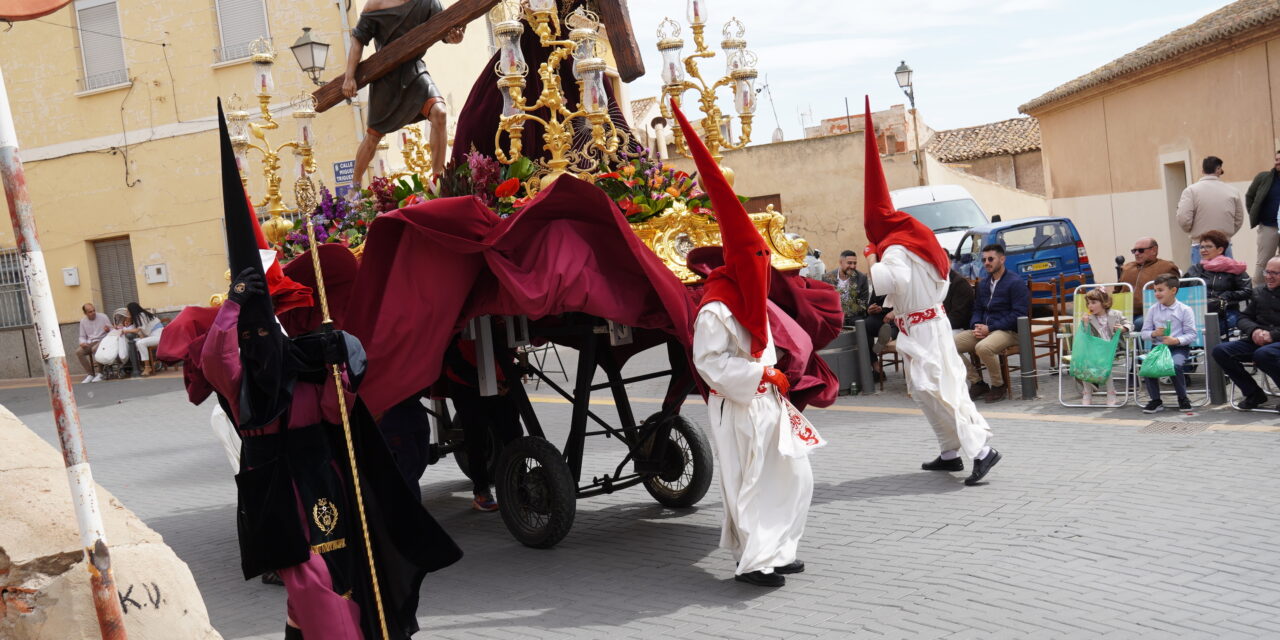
(935, 372)
(766, 494)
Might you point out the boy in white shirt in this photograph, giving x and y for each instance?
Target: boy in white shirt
(1171, 323)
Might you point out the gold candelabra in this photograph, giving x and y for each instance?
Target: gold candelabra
(242, 130)
(416, 150)
(681, 74)
(586, 50)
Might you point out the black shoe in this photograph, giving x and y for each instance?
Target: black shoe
(996, 394)
(761, 579)
(272, 577)
(292, 633)
(981, 467)
(795, 566)
(1184, 404)
(978, 389)
(1155, 406)
(938, 464)
(1253, 402)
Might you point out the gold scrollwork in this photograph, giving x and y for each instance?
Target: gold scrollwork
(673, 234)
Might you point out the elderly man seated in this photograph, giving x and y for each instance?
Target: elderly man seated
(93, 328)
(1259, 342)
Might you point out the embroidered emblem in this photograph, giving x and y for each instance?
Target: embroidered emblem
(762, 389)
(239, 287)
(802, 429)
(916, 317)
(325, 515)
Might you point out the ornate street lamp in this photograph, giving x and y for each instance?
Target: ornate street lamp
(311, 55)
(903, 74)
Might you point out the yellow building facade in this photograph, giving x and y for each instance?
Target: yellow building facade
(114, 102)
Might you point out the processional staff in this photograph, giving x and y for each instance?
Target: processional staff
(327, 326)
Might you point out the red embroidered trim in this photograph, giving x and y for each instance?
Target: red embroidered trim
(916, 317)
(801, 429)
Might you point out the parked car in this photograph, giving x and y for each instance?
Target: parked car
(949, 210)
(1039, 248)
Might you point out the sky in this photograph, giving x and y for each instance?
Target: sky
(975, 61)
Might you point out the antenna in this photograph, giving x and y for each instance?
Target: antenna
(777, 130)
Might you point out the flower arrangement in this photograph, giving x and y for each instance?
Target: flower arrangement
(642, 188)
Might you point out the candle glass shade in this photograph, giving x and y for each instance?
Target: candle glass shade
(594, 98)
(511, 59)
(504, 87)
(672, 50)
(697, 12)
(263, 82)
(744, 91)
(542, 5)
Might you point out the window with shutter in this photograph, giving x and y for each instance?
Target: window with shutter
(240, 22)
(14, 311)
(101, 48)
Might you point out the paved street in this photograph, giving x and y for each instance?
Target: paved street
(1096, 524)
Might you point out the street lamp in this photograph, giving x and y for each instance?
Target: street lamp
(903, 74)
(311, 54)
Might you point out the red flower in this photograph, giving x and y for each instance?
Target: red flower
(507, 188)
(629, 207)
(611, 174)
(413, 199)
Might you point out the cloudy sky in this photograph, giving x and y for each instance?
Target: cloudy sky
(975, 60)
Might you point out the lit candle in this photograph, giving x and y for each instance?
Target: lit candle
(697, 12)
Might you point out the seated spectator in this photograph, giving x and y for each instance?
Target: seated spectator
(959, 302)
(1171, 323)
(1001, 299)
(854, 288)
(93, 328)
(126, 356)
(1259, 342)
(1145, 267)
(1225, 278)
(146, 327)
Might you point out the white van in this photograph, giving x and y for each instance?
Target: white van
(948, 209)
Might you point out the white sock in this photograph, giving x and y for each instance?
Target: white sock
(950, 455)
(983, 454)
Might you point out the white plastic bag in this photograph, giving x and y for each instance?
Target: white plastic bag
(109, 349)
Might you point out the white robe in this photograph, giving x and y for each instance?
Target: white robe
(766, 494)
(935, 372)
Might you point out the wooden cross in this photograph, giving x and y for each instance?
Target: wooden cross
(613, 13)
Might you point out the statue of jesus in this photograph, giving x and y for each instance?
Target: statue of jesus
(407, 94)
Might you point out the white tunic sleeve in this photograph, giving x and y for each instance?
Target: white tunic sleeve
(719, 358)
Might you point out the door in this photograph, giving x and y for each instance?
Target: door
(115, 273)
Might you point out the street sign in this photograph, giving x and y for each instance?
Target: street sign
(344, 172)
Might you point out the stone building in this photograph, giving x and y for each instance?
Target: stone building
(1005, 152)
(1121, 142)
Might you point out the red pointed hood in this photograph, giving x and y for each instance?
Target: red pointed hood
(285, 293)
(886, 226)
(742, 284)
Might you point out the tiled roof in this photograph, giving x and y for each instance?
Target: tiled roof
(1224, 23)
(640, 107)
(1007, 137)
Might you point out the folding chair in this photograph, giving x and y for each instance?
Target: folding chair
(1193, 293)
(1122, 301)
(1268, 388)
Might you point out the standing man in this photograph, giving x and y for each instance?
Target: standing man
(1263, 201)
(406, 95)
(1259, 341)
(93, 328)
(854, 288)
(1210, 205)
(1145, 267)
(914, 276)
(1001, 299)
(761, 442)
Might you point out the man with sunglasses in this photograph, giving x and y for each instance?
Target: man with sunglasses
(1145, 267)
(1002, 298)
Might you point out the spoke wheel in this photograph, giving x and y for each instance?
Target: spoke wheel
(536, 493)
(686, 467)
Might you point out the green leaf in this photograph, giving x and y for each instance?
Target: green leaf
(522, 168)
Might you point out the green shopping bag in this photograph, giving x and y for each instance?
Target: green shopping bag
(1159, 361)
(1092, 357)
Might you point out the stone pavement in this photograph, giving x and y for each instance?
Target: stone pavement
(1098, 523)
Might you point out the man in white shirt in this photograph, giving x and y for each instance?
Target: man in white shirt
(93, 328)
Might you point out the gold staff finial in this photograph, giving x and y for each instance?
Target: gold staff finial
(346, 427)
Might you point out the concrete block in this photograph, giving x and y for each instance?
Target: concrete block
(42, 571)
(13, 354)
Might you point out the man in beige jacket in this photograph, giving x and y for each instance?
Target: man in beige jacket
(1210, 204)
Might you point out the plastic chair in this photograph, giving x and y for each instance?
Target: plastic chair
(1193, 293)
(1122, 301)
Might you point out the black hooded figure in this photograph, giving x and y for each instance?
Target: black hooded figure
(297, 510)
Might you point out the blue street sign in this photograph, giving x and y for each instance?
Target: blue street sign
(344, 172)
